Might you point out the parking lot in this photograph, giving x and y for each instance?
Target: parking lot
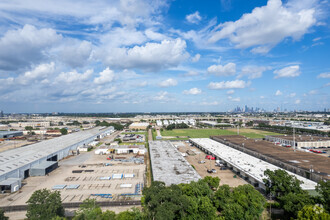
(226, 176)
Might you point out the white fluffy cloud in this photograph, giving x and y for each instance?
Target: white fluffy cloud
(150, 57)
(266, 26)
(191, 73)
(77, 54)
(297, 102)
(194, 18)
(196, 58)
(210, 103)
(252, 72)
(192, 91)
(227, 70)
(42, 71)
(106, 76)
(290, 71)
(23, 47)
(278, 93)
(169, 82)
(324, 75)
(73, 76)
(236, 84)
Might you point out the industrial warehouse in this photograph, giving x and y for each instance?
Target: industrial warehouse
(301, 141)
(309, 165)
(41, 158)
(168, 164)
(251, 168)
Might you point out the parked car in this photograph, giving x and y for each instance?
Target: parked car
(201, 161)
(210, 157)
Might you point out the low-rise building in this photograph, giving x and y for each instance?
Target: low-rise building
(306, 141)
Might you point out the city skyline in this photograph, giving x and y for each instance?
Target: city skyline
(164, 56)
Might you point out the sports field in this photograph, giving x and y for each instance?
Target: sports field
(205, 133)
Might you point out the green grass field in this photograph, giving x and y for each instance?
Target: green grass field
(205, 133)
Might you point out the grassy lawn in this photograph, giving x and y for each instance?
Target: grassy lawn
(205, 133)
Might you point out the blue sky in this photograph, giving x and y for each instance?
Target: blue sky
(146, 56)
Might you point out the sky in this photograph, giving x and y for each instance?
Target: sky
(163, 56)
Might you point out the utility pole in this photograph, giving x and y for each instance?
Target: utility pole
(238, 129)
(294, 140)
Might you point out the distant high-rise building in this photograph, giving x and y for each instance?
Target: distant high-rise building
(1, 114)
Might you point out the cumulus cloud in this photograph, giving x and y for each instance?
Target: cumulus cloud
(196, 58)
(266, 26)
(77, 54)
(162, 96)
(278, 93)
(74, 76)
(192, 91)
(236, 84)
(42, 71)
(169, 82)
(106, 76)
(297, 102)
(23, 47)
(324, 75)
(150, 57)
(290, 71)
(226, 70)
(194, 18)
(252, 72)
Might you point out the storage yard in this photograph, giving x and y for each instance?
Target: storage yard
(249, 167)
(168, 165)
(299, 162)
(87, 175)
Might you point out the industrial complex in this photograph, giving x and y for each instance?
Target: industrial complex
(168, 164)
(251, 168)
(42, 157)
(300, 141)
(309, 165)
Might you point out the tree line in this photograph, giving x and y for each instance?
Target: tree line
(203, 199)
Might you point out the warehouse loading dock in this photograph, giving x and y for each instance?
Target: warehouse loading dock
(10, 185)
(43, 168)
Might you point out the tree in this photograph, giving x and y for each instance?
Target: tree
(133, 214)
(213, 182)
(313, 212)
(28, 128)
(323, 188)
(280, 183)
(242, 202)
(292, 203)
(2, 215)
(44, 204)
(63, 131)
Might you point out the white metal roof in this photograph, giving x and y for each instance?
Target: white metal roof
(168, 165)
(247, 163)
(15, 158)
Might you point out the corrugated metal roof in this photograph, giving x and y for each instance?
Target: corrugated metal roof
(12, 159)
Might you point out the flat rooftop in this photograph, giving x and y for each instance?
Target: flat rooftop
(250, 165)
(302, 138)
(168, 164)
(320, 164)
(13, 159)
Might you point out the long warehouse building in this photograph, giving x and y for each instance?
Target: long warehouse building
(169, 166)
(246, 165)
(19, 163)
